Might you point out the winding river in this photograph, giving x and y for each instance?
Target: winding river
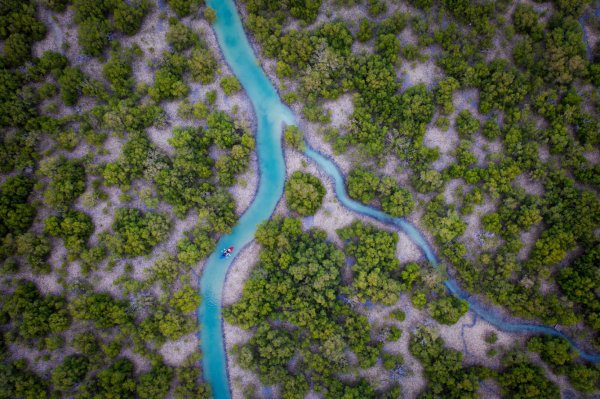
(271, 114)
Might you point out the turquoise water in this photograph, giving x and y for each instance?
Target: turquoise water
(271, 114)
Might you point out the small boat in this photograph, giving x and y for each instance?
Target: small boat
(227, 252)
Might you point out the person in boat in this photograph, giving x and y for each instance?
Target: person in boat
(227, 252)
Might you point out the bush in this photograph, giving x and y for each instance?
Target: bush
(180, 37)
(93, 36)
(86, 9)
(203, 65)
(55, 5)
(466, 124)
(71, 83)
(156, 383)
(168, 81)
(165, 270)
(294, 137)
(74, 227)
(365, 30)
(71, 371)
(17, 49)
(35, 248)
(362, 185)
(395, 334)
(427, 181)
(173, 325)
(583, 378)
(52, 62)
(446, 377)
(19, 28)
(188, 386)
(119, 73)
(210, 15)
(491, 130)
(195, 246)
(526, 21)
(491, 337)
(184, 8)
(444, 94)
(101, 308)
(230, 85)
(117, 381)
(418, 300)
(399, 203)
(448, 310)
(128, 17)
(304, 193)
(136, 233)
(556, 351)
(67, 181)
(520, 378)
(391, 361)
(398, 314)
(33, 315)
(86, 343)
(372, 279)
(16, 214)
(185, 300)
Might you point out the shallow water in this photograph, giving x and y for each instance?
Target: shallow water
(271, 114)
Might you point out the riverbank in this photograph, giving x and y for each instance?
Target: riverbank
(237, 274)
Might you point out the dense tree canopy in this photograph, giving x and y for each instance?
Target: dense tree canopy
(16, 214)
(297, 284)
(136, 232)
(443, 367)
(375, 254)
(304, 193)
(67, 181)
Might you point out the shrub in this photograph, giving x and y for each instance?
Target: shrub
(304, 193)
(17, 49)
(448, 310)
(399, 203)
(491, 337)
(136, 233)
(294, 137)
(101, 308)
(71, 83)
(72, 370)
(210, 15)
(466, 124)
(230, 85)
(365, 30)
(35, 248)
(128, 17)
(180, 37)
(398, 314)
(67, 181)
(184, 8)
(168, 81)
(93, 36)
(362, 185)
(16, 214)
(119, 73)
(73, 227)
(203, 66)
(491, 130)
